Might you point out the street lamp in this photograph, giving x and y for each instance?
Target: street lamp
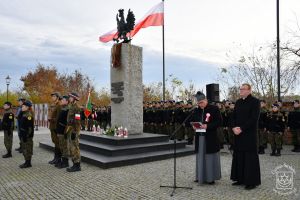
(7, 79)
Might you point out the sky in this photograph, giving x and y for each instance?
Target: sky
(198, 33)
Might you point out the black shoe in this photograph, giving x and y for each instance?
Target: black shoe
(52, 162)
(64, 163)
(21, 150)
(297, 150)
(237, 183)
(190, 142)
(261, 150)
(8, 155)
(75, 168)
(18, 149)
(273, 153)
(278, 153)
(211, 183)
(27, 164)
(196, 181)
(59, 161)
(250, 187)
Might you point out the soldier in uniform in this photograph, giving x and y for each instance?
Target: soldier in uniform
(220, 129)
(18, 116)
(73, 131)
(230, 125)
(61, 133)
(188, 130)
(53, 115)
(27, 132)
(8, 127)
(262, 130)
(294, 125)
(275, 128)
(82, 118)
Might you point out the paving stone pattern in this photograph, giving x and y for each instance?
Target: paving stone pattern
(136, 182)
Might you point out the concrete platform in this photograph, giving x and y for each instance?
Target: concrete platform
(109, 151)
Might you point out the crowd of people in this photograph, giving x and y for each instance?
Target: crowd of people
(67, 119)
(64, 125)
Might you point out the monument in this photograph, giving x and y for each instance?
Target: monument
(127, 88)
(108, 151)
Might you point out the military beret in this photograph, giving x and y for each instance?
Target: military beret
(296, 101)
(7, 103)
(65, 97)
(200, 96)
(21, 99)
(263, 101)
(74, 95)
(275, 105)
(55, 94)
(27, 103)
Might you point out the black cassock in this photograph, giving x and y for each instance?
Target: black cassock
(245, 163)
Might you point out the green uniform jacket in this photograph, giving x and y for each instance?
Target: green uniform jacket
(73, 119)
(53, 115)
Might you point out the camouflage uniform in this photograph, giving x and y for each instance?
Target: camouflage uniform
(73, 131)
(53, 116)
(262, 133)
(8, 127)
(27, 132)
(61, 130)
(275, 128)
(294, 125)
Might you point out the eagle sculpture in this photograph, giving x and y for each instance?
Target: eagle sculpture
(123, 27)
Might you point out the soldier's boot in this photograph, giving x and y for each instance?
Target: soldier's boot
(190, 141)
(261, 150)
(273, 152)
(278, 153)
(297, 150)
(59, 161)
(55, 159)
(27, 164)
(18, 149)
(75, 168)
(64, 163)
(8, 155)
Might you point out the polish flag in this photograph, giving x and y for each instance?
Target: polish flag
(154, 17)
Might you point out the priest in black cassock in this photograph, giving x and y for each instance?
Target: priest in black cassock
(207, 146)
(245, 169)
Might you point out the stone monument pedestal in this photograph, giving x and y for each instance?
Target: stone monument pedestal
(127, 89)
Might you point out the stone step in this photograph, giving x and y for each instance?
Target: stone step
(105, 162)
(118, 141)
(113, 150)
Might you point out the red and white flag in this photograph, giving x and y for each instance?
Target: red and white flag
(154, 17)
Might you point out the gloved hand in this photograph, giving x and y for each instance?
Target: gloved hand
(73, 136)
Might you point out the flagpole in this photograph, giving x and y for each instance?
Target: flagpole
(278, 52)
(163, 45)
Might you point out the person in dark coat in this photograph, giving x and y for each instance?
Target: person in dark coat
(207, 144)
(245, 169)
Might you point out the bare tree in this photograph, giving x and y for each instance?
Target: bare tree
(259, 68)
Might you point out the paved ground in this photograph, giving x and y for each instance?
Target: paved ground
(136, 182)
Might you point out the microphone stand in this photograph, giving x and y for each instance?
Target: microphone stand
(174, 186)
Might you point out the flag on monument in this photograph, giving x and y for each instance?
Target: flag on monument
(88, 109)
(154, 17)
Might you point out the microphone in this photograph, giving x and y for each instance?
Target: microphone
(193, 108)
